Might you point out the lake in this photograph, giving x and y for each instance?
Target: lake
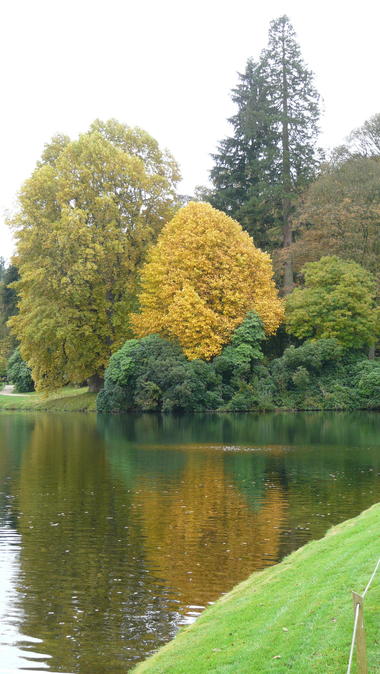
(115, 531)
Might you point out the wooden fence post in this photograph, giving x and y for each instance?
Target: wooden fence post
(361, 650)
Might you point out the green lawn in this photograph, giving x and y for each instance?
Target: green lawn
(296, 616)
(68, 399)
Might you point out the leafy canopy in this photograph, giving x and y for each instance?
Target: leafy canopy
(368, 382)
(87, 215)
(338, 301)
(202, 277)
(321, 374)
(152, 374)
(340, 214)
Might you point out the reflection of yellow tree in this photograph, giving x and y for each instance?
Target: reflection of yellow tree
(202, 537)
(83, 578)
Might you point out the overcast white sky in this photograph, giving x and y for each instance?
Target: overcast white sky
(167, 66)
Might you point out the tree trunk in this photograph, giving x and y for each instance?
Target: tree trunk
(371, 352)
(288, 265)
(286, 179)
(95, 383)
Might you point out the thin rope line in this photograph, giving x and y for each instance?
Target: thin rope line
(353, 638)
(357, 616)
(372, 577)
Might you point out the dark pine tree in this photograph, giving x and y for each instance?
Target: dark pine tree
(272, 155)
(243, 159)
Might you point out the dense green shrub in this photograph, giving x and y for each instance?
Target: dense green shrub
(319, 375)
(152, 374)
(237, 359)
(19, 374)
(367, 380)
(247, 384)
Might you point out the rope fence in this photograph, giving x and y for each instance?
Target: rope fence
(358, 634)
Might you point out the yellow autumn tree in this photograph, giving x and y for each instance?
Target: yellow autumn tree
(201, 279)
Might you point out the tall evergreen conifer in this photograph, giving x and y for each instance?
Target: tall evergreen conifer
(272, 154)
(242, 160)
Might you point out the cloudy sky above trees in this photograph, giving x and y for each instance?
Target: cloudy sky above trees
(168, 67)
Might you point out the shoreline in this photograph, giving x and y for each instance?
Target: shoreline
(81, 400)
(67, 400)
(296, 614)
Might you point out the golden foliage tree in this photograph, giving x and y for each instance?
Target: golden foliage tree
(87, 215)
(200, 280)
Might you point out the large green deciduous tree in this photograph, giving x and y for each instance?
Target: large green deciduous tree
(272, 154)
(87, 215)
(338, 300)
(340, 214)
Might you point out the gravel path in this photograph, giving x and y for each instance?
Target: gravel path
(8, 391)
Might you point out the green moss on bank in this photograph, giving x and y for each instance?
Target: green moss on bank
(295, 616)
(65, 400)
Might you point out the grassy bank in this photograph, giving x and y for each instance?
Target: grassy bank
(65, 400)
(296, 616)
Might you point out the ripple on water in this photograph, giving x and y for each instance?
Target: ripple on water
(17, 650)
(130, 526)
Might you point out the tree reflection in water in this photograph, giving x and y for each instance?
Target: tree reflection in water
(129, 524)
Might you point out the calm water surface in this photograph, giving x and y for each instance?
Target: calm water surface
(115, 531)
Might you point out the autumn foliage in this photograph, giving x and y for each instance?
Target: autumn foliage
(339, 215)
(201, 279)
(86, 218)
